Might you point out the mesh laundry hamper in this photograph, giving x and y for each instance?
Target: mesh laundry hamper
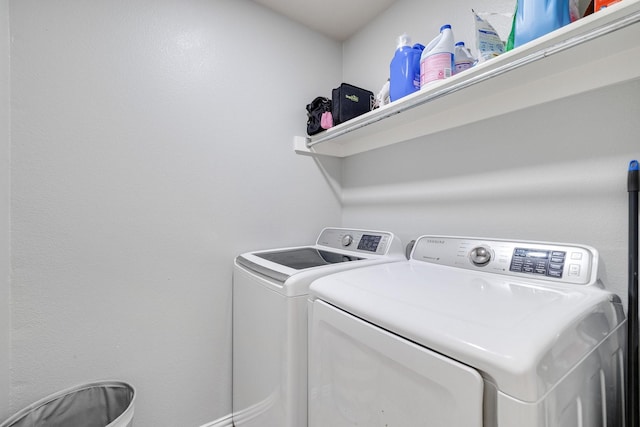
(99, 404)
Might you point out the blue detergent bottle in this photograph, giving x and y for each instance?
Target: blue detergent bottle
(402, 73)
(416, 55)
(535, 18)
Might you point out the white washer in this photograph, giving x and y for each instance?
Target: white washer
(270, 290)
(468, 333)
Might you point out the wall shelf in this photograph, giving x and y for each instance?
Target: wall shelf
(600, 50)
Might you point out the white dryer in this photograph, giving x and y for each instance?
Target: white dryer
(468, 333)
(270, 290)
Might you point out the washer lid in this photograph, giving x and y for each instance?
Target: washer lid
(523, 335)
(284, 263)
(302, 258)
(334, 249)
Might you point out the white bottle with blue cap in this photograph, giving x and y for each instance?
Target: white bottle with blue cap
(463, 58)
(436, 62)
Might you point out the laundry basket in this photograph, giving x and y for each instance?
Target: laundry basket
(99, 404)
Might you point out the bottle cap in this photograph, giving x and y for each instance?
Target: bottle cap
(404, 40)
(444, 27)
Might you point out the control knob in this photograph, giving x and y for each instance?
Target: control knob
(480, 256)
(347, 239)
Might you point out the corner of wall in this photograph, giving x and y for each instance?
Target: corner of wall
(5, 186)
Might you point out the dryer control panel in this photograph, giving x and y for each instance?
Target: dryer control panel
(362, 241)
(558, 262)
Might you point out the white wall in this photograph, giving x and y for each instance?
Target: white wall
(5, 256)
(556, 172)
(152, 142)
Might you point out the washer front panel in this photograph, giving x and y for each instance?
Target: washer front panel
(363, 375)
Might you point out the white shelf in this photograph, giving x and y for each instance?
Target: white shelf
(600, 50)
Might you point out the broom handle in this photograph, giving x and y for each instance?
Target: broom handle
(633, 397)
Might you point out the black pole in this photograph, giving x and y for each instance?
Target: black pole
(633, 397)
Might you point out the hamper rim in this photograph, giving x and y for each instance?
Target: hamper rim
(74, 389)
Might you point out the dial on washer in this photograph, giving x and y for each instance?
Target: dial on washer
(480, 256)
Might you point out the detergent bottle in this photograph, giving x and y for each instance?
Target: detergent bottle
(463, 59)
(535, 18)
(416, 55)
(436, 62)
(403, 69)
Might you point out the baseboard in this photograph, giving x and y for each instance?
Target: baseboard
(226, 421)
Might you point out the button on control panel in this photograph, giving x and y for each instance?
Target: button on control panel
(536, 260)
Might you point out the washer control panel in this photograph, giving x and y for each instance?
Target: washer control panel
(362, 241)
(565, 263)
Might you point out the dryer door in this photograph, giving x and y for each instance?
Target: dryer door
(362, 375)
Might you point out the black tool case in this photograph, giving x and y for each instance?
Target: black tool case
(349, 101)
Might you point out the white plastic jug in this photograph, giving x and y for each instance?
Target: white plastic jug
(436, 62)
(463, 58)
